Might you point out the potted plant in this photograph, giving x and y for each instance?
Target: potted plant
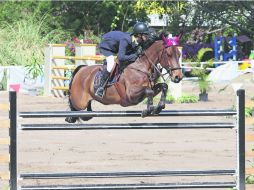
(203, 83)
(3, 80)
(204, 86)
(34, 69)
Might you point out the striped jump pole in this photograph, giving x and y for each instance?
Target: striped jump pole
(13, 140)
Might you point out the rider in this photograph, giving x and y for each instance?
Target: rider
(127, 46)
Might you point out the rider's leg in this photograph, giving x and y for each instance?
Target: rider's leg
(110, 63)
(105, 76)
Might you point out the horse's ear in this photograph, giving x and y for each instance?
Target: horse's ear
(163, 33)
(164, 38)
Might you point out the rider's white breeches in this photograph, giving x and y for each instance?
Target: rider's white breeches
(110, 63)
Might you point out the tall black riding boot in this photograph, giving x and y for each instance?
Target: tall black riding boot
(104, 79)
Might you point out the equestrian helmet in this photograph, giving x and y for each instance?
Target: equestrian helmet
(140, 28)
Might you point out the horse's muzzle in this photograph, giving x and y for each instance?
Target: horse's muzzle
(176, 79)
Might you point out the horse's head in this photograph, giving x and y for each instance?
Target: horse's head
(170, 58)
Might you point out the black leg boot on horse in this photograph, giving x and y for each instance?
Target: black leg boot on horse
(103, 82)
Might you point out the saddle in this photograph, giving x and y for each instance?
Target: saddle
(114, 77)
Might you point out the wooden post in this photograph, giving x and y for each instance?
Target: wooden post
(85, 50)
(50, 51)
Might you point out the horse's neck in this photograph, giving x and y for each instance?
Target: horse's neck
(153, 52)
(151, 55)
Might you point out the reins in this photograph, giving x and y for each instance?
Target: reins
(169, 70)
(156, 69)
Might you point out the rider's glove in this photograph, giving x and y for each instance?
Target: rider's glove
(139, 51)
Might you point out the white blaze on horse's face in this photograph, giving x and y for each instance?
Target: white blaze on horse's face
(172, 57)
(173, 65)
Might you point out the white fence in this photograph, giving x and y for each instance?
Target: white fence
(54, 80)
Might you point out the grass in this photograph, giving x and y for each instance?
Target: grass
(249, 179)
(185, 98)
(6, 187)
(23, 42)
(248, 111)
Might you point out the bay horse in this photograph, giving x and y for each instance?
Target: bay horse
(138, 81)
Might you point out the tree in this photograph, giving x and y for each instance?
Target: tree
(12, 11)
(238, 15)
(76, 17)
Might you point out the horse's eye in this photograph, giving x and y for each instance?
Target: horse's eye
(169, 53)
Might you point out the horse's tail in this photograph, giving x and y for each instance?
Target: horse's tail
(70, 84)
(72, 119)
(72, 77)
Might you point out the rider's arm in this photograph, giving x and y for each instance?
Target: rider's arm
(122, 57)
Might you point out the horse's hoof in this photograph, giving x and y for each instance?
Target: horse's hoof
(86, 118)
(161, 105)
(70, 119)
(144, 113)
(157, 110)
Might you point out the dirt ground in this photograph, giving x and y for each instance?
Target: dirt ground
(126, 150)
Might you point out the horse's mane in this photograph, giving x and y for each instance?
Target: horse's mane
(153, 37)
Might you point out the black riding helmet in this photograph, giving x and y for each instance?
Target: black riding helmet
(140, 28)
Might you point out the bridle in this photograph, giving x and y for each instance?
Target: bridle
(155, 67)
(169, 69)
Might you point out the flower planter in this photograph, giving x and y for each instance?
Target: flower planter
(203, 97)
(32, 92)
(15, 87)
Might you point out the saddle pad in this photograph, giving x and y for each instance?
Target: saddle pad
(97, 79)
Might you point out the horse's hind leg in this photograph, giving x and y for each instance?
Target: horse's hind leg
(74, 119)
(89, 108)
(71, 119)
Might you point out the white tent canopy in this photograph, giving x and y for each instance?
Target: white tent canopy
(227, 72)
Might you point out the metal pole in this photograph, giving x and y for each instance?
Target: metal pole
(44, 114)
(240, 139)
(13, 140)
(204, 185)
(127, 174)
(127, 126)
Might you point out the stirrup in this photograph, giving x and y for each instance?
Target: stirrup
(99, 92)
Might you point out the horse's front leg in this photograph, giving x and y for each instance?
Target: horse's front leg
(160, 87)
(150, 108)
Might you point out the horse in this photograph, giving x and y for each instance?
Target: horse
(137, 81)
